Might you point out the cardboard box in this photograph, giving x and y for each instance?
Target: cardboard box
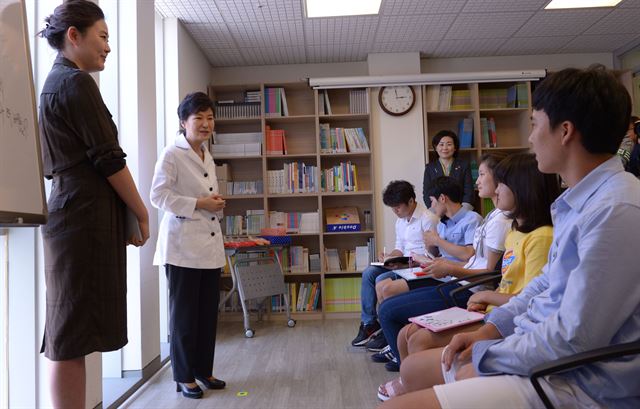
(342, 219)
(223, 172)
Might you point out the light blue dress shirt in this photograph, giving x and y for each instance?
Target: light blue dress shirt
(459, 229)
(588, 295)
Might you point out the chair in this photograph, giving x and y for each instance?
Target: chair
(492, 277)
(583, 358)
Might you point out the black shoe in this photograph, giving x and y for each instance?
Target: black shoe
(365, 332)
(392, 366)
(215, 384)
(377, 343)
(187, 392)
(383, 356)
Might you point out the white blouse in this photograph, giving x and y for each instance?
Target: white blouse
(188, 237)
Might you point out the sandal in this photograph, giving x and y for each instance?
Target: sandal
(390, 389)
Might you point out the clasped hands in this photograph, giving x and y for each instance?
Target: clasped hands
(212, 203)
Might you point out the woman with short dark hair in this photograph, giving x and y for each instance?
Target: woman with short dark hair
(190, 244)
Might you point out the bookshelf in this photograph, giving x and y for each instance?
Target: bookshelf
(305, 155)
(506, 105)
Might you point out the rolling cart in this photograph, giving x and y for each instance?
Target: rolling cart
(260, 280)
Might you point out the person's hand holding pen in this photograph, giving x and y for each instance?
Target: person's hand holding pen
(212, 203)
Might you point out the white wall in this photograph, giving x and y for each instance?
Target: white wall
(284, 73)
(194, 68)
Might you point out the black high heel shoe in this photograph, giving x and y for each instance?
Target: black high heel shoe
(187, 392)
(215, 384)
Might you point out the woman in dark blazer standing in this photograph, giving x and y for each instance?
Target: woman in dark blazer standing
(446, 145)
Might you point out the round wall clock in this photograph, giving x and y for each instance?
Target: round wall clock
(397, 100)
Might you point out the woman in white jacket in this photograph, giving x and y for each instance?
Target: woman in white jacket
(190, 244)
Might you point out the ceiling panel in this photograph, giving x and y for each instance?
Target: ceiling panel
(336, 30)
(469, 47)
(274, 55)
(267, 34)
(623, 21)
(597, 43)
(413, 7)
(560, 22)
(240, 11)
(249, 32)
(409, 28)
(486, 25)
(533, 45)
(229, 57)
(490, 6)
(425, 47)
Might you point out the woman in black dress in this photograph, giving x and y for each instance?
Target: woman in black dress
(84, 238)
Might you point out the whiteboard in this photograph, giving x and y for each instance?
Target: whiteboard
(22, 198)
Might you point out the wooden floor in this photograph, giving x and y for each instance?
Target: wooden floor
(310, 366)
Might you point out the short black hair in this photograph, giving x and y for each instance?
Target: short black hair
(593, 99)
(445, 132)
(192, 104)
(533, 191)
(398, 192)
(80, 14)
(448, 186)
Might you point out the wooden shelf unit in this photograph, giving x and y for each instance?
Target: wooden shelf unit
(302, 129)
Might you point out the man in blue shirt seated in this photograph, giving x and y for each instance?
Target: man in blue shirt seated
(588, 295)
(453, 239)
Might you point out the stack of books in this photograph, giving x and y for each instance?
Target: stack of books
(358, 101)
(237, 144)
(275, 102)
(295, 177)
(340, 178)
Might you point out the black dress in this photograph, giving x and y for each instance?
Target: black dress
(84, 238)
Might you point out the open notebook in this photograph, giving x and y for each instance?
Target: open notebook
(445, 319)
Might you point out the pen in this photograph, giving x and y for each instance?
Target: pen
(420, 274)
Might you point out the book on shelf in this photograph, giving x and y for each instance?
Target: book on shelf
(332, 259)
(251, 187)
(321, 110)
(295, 177)
(310, 222)
(493, 136)
(342, 219)
(348, 259)
(342, 294)
(358, 101)
(230, 109)
(362, 257)
(484, 131)
(433, 97)
(327, 103)
(294, 222)
(446, 319)
(340, 178)
(465, 132)
(275, 102)
(444, 98)
(512, 97)
(252, 96)
(461, 99)
(276, 141)
(299, 259)
(250, 224)
(522, 95)
(314, 262)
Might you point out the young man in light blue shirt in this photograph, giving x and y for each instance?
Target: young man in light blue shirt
(588, 294)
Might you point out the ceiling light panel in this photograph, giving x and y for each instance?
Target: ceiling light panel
(580, 4)
(338, 8)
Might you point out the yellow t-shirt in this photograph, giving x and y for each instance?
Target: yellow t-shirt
(525, 255)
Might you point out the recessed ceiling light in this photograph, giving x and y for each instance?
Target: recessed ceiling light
(334, 8)
(580, 4)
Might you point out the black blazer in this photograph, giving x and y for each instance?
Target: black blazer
(460, 171)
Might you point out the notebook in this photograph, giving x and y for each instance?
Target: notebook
(446, 319)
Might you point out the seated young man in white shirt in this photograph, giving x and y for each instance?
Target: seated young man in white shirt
(413, 220)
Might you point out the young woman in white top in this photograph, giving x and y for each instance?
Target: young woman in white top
(190, 244)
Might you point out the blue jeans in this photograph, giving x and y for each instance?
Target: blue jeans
(368, 300)
(395, 312)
